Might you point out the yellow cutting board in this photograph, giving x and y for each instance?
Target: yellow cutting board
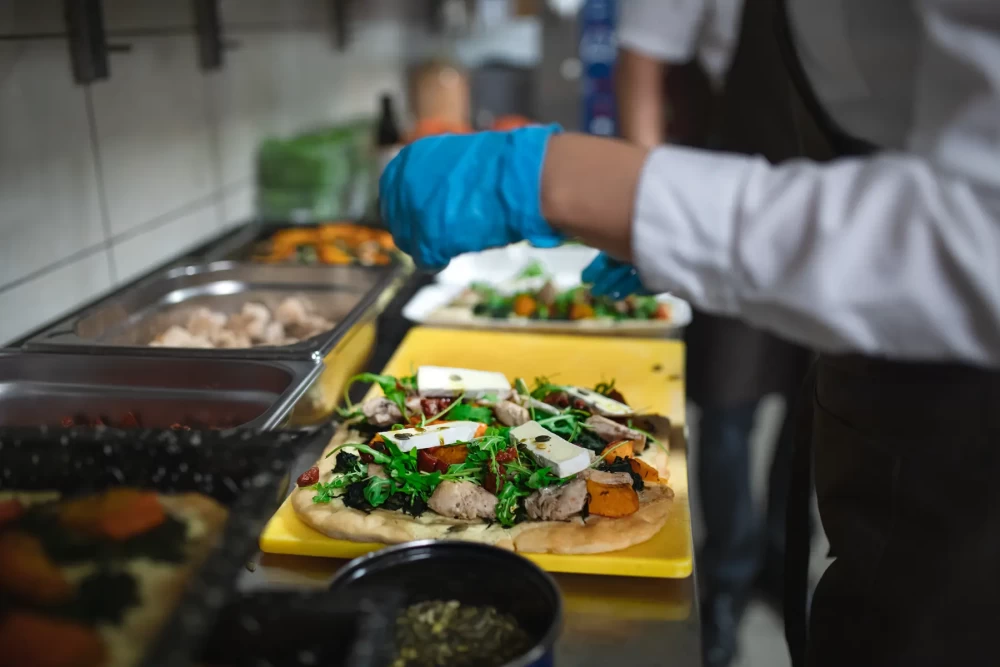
(647, 372)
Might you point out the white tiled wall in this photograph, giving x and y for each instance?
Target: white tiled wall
(99, 184)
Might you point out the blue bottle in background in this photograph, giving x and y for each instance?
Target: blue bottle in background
(598, 49)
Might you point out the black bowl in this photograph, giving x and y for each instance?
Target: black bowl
(473, 574)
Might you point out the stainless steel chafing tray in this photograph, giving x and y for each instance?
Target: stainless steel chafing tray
(42, 389)
(127, 322)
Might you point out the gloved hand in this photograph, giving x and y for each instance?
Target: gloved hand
(611, 277)
(447, 195)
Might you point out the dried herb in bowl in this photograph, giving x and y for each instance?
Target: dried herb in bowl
(436, 633)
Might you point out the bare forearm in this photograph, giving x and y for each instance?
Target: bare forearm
(588, 190)
(641, 98)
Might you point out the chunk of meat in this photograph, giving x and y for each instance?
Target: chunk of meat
(205, 322)
(606, 478)
(308, 327)
(511, 414)
(611, 431)
(274, 334)
(256, 317)
(231, 340)
(463, 500)
(375, 470)
(381, 412)
(177, 336)
(557, 503)
(293, 310)
(548, 294)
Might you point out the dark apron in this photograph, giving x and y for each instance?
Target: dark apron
(907, 466)
(730, 362)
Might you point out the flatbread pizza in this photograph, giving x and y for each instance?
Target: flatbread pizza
(90, 581)
(455, 453)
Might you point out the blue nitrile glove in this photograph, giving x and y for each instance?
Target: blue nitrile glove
(611, 277)
(452, 194)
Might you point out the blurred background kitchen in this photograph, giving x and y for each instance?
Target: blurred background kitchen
(133, 132)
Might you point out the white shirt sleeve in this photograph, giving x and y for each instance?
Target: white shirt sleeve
(895, 255)
(667, 30)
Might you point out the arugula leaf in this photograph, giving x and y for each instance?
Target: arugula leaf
(393, 389)
(534, 269)
(378, 491)
(541, 478)
(472, 413)
(509, 504)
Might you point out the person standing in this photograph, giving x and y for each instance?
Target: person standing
(882, 251)
(673, 59)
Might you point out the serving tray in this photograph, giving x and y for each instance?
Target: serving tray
(647, 372)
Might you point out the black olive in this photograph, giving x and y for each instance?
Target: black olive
(542, 438)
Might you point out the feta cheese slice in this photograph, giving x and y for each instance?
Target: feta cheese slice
(437, 435)
(549, 449)
(600, 403)
(443, 381)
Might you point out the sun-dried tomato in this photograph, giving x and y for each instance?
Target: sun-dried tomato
(375, 444)
(507, 455)
(559, 399)
(434, 406)
(494, 481)
(309, 477)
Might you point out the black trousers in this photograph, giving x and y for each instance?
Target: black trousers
(907, 472)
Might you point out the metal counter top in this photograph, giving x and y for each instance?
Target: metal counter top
(608, 620)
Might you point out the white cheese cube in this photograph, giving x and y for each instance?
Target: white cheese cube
(442, 381)
(599, 403)
(437, 435)
(549, 449)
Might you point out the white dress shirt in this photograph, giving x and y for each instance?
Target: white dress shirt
(677, 31)
(895, 255)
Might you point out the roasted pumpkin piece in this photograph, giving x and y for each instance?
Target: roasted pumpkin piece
(648, 473)
(117, 514)
(613, 501)
(581, 311)
(330, 253)
(293, 238)
(524, 305)
(27, 572)
(439, 458)
(28, 639)
(10, 510)
(619, 448)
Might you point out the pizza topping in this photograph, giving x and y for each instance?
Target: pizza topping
(381, 412)
(117, 514)
(611, 431)
(463, 500)
(311, 476)
(27, 572)
(607, 477)
(646, 472)
(562, 456)
(620, 448)
(611, 500)
(433, 436)
(557, 503)
(618, 471)
(598, 403)
(32, 640)
(442, 381)
(509, 413)
(439, 459)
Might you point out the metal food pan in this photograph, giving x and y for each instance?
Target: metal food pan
(240, 246)
(41, 389)
(243, 470)
(127, 322)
